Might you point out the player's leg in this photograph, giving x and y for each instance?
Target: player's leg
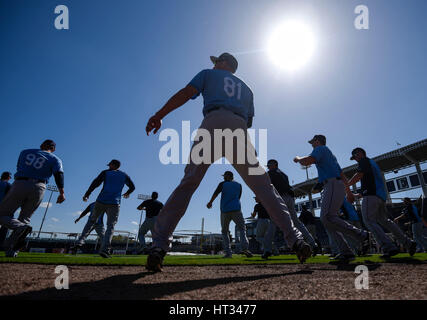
(261, 230)
(97, 211)
(13, 200)
(332, 199)
(34, 195)
(290, 203)
(370, 214)
(145, 227)
(3, 235)
(385, 222)
(334, 194)
(100, 230)
(269, 236)
(238, 219)
(112, 212)
(225, 230)
(417, 230)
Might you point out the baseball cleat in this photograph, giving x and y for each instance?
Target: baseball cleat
(104, 254)
(75, 248)
(365, 244)
(155, 260)
(345, 258)
(390, 254)
(11, 253)
(316, 251)
(17, 239)
(247, 253)
(302, 250)
(412, 248)
(266, 255)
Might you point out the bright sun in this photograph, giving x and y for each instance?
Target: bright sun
(291, 45)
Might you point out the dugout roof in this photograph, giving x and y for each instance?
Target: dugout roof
(394, 160)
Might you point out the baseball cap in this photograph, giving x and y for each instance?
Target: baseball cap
(231, 60)
(319, 137)
(355, 150)
(47, 144)
(272, 161)
(115, 163)
(228, 173)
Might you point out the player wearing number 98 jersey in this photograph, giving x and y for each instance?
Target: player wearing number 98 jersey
(34, 168)
(228, 111)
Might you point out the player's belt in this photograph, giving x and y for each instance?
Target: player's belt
(28, 179)
(220, 107)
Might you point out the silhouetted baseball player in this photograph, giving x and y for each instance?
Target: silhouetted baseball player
(34, 168)
(5, 186)
(374, 211)
(231, 191)
(334, 189)
(109, 200)
(228, 111)
(281, 182)
(152, 208)
(98, 226)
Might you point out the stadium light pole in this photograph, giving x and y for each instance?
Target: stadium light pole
(52, 189)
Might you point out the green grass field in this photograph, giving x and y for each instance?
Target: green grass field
(197, 260)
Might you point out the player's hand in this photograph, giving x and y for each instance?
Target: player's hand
(61, 198)
(85, 198)
(209, 205)
(126, 195)
(296, 159)
(77, 220)
(154, 123)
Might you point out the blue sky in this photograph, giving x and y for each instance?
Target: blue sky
(92, 88)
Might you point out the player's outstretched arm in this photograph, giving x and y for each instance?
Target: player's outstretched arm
(305, 161)
(215, 194)
(95, 184)
(177, 100)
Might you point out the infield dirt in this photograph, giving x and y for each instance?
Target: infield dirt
(247, 282)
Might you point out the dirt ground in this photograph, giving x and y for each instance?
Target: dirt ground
(261, 282)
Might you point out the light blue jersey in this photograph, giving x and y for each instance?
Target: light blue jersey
(220, 88)
(352, 214)
(114, 182)
(38, 164)
(230, 196)
(326, 163)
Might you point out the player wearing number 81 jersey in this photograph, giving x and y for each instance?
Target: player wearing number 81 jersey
(228, 111)
(34, 168)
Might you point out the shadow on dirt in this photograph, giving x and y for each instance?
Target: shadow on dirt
(123, 287)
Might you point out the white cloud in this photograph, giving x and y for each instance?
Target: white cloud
(77, 213)
(54, 219)
(44, 205)
(135, 231)
(135, 223)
